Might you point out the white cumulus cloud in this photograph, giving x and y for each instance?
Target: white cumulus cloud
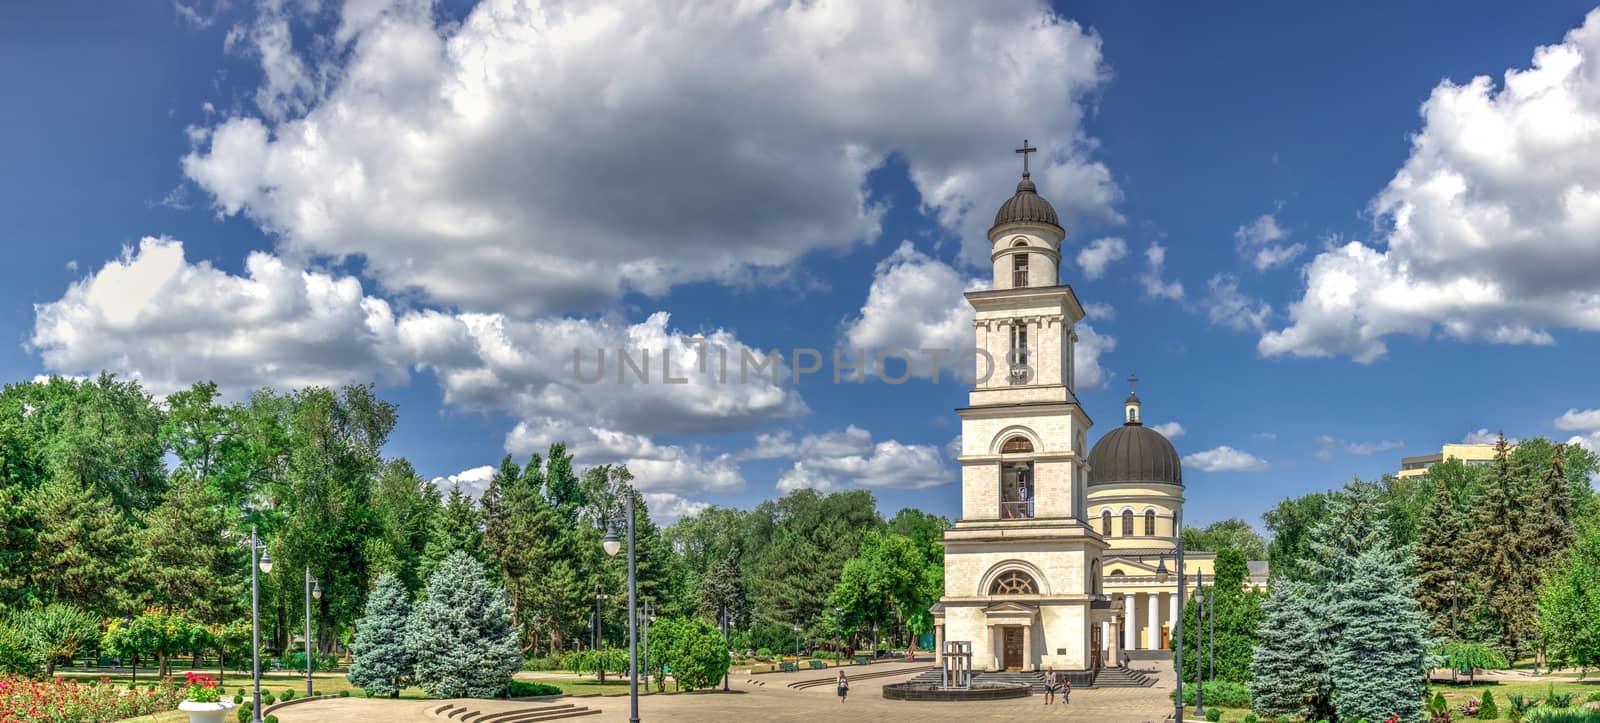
(1224, 459)
(537, 156)
(1328, 445)
(1170, 430)
(1155, 286)
(1491, 228)
(1099, 254)
(1578, 419)
(1259, 241)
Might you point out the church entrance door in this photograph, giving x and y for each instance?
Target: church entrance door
(1166, 633)
(1013, 648)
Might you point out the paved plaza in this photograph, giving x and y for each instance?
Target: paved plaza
(775, 701)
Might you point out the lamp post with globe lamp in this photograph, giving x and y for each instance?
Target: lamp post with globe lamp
(313, 592)
(264, 564)
(612, 545)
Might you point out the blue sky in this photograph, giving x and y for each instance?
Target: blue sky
(1376, 254)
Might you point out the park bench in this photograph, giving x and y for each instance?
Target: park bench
(787, 667)
(817, 664)
(861, 660)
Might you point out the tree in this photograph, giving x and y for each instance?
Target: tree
(1238, 619)
(406, 505)
(1378, 662)
(461, 633)
(1234, 533)
(457, 528)
(1503, 553)
(186, 562)
(16, 651)
(1289, 675)
(1291, 523)
(722, 588)
(1569, 602)
(155, 634)
(55, 633)
(384, 663)
(1442, 567)
(695, 652)
(82, 546)
(1472, 657)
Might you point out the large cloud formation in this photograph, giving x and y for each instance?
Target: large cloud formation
(1492, 224)
(544, 156)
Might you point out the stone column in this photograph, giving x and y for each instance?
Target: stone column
(1106, 643)
(938, 645)
(1129, 613)
(1027, 647)
(1154, 621)
(1172, 608)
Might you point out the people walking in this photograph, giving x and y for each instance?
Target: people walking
(843, 683)
(1049, 686)
(1066, 690)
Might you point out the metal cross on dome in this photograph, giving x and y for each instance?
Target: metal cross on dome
(1025, 150)
(1132, 380)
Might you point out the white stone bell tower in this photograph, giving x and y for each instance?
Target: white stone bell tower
(1022, 566)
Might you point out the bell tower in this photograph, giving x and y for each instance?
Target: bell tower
(1022, 565)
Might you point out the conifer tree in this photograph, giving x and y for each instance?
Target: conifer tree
(1378, 658)
(1501, 550)
(82, 547)
(186, 563)
(1288, 675)
(456, 527)
(1569, 603)
(384, 663)
(1440, 565)
(461, 633)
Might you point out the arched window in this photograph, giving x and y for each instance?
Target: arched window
(1127, 523)
(1019, 271)
(1105, 522)
(1013, 582)
(1116, 573)
(1150, 523)
(1017, 444)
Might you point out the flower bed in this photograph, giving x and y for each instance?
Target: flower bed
(61, 700)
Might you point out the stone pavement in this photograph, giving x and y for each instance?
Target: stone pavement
(776, 702)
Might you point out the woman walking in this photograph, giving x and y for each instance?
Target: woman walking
(843, 684)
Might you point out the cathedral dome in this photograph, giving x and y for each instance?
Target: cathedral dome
(1134, 453)
(1027, 206)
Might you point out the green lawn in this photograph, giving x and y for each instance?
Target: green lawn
(1458, 694)
(583, 686)
(171, 716)
(274, 682)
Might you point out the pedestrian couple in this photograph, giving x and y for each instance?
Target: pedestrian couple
(1053, 682)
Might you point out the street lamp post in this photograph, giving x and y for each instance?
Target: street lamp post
(612, 545)
(264, 565)
(313, 592)
(726, 645)
(1211, 632)
(1161, 577)
(1199, 661)
(648, 615)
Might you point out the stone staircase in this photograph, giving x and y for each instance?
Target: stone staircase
(466, 712)
(1122, 678)
(1106, 678)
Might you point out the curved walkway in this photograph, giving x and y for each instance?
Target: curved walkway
(768, 698)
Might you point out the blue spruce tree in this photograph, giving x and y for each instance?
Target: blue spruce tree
(1378, 659)
(1286, 667)
(383, 661)
(461, 633)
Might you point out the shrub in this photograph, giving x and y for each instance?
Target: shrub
(344, 694)
(764, 653)
(1553, 699)
(540, 664)
(1486, 708)
(270, 719)
(243, 714)
(1225, 693)
(316, 692)
(524, 689)
(1469, 708)
(238, 699)
(267, 699)
(288, 694)
(1249, 718)
(1546, 714)
(1214, 715)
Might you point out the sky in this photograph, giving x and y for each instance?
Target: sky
(1322, 237)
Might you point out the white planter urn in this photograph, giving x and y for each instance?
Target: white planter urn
(206, 712)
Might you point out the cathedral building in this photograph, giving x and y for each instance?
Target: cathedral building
(1048, 565)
